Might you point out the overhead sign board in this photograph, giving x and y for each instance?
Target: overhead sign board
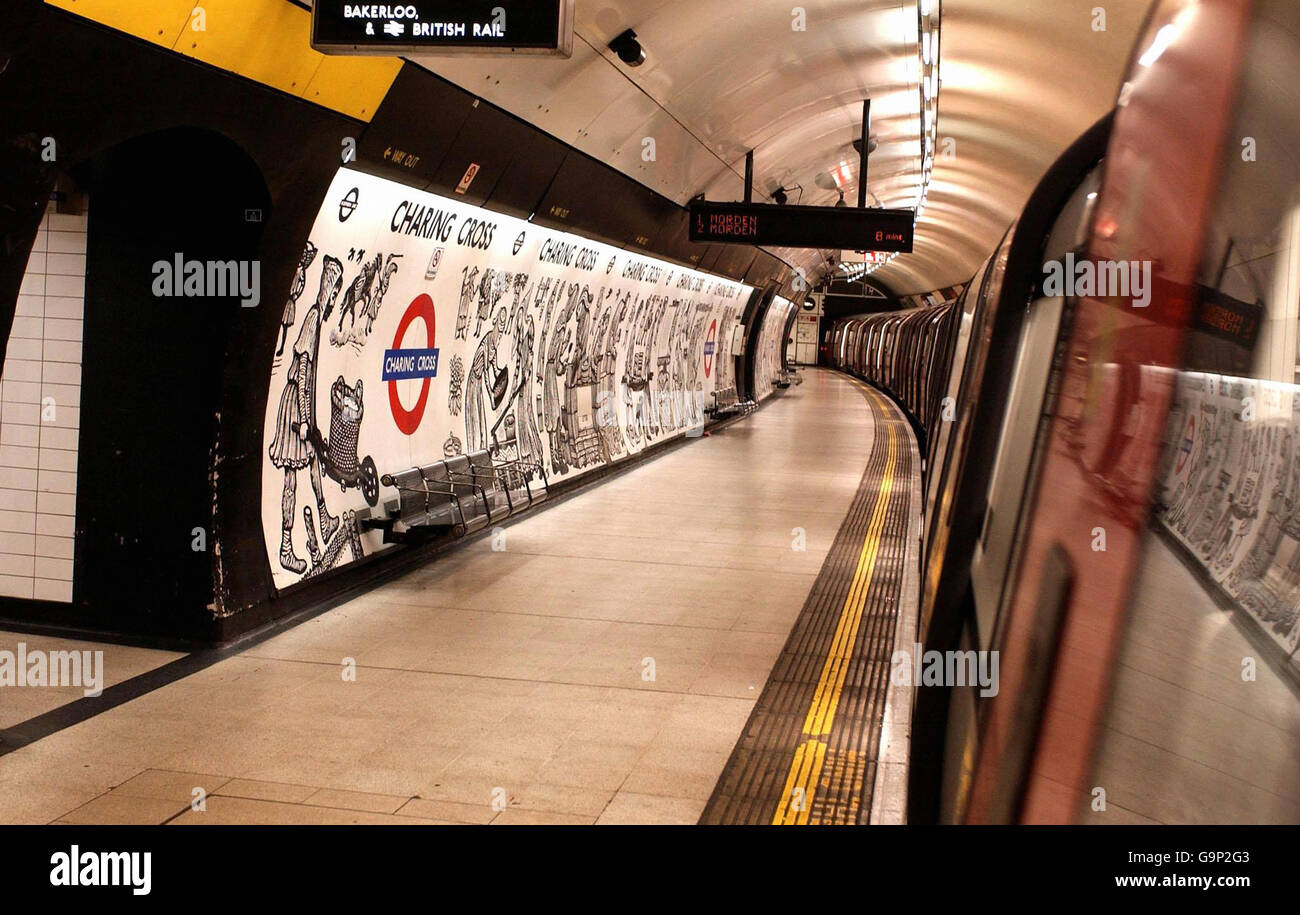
(802, 226)
(443, 26)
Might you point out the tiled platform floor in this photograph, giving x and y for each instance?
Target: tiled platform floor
(573, 677)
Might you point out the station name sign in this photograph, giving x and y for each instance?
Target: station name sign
(802, 226)
(442, 26)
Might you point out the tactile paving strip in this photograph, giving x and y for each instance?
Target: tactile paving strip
(808, 752)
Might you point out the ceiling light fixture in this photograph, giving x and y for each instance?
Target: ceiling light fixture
(628, 49)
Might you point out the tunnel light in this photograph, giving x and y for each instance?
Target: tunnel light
(1164, 38)
(924, 6)
(925, 48)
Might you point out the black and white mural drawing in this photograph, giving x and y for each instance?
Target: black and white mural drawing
(538, 346)
(771, 346)
(1230, 492)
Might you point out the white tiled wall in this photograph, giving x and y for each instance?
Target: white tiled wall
(40, 407)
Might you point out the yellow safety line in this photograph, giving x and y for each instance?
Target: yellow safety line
(809, 757)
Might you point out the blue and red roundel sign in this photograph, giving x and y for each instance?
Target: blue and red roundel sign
(401, 364)
(710, 347)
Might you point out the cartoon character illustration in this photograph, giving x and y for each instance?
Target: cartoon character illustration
(299, 284)
(291, 449)
(373, 302)
(469, 280)
(528, 441)
(359, 291)
(490, 290)
(486, 387)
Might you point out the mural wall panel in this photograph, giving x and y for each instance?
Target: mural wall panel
(771, 345)
(418, 328)
(1230, 493)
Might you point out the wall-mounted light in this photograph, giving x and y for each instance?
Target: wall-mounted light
(628, 49)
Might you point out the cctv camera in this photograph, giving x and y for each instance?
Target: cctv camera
(628, 49)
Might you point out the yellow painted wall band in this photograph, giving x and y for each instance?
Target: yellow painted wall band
(268, 41)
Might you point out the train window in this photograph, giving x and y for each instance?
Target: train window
(985, 288)
(1204, 720)
(1008, 484)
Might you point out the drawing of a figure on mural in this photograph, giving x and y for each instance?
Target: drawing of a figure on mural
(561, 348)
(498, 399)
(519, 299)
(666, 378)
(638, 373)
(1204, 466)
(468, 286)
(373, 302)
(610, 378)
(299, 284)
(486, 387)
(1243, 505)
(291, 449)
(604, 359)
(1281, 505)
(359, 291)
(581, 435)
(722, 363)
(692, 354)
(1215, 504)
(366, 292)
(339, 455)
(552, 297)
(490, 290)
(658, 367)
(528, 441)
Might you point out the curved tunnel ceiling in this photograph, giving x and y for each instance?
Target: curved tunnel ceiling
(1019, 82)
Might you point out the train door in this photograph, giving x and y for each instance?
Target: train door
(1088, 515)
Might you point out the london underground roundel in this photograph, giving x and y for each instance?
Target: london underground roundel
(710, 347)
(402, 364)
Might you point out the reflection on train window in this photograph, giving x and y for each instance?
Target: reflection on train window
(1204, 722)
